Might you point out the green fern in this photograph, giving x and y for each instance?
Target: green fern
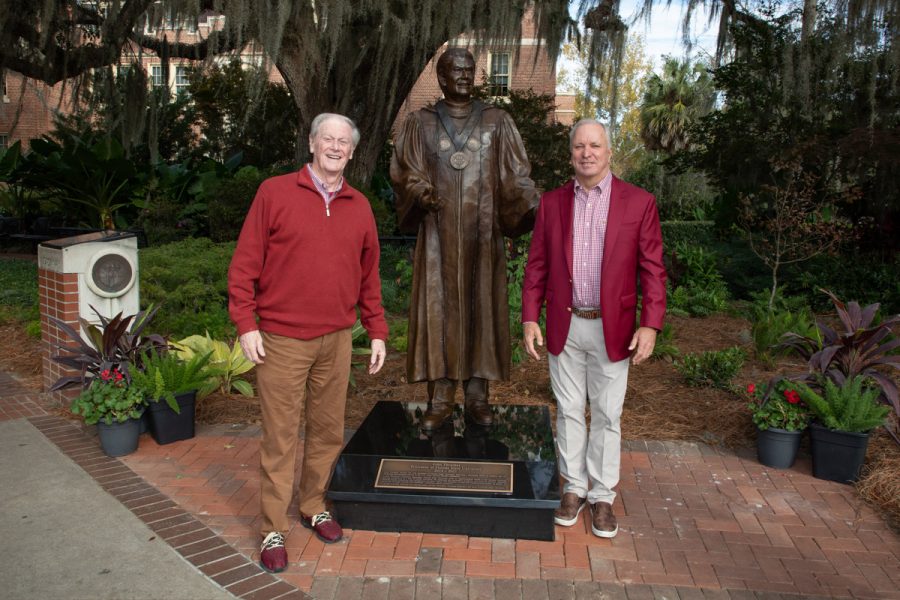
(164, 375)
(850, 407)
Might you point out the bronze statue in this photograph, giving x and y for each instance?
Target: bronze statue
(461, 179)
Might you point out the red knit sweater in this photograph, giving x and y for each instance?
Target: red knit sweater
(303, 271)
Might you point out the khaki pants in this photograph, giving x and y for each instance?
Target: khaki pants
(315, 372)
(583, 374)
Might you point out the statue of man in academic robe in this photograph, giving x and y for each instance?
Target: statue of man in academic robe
(462, 182)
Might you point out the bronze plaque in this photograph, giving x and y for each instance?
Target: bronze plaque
(445, 475)
(112, 273)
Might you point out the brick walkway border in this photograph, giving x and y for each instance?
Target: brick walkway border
(193, 540)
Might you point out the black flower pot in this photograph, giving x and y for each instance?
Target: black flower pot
(119, 439)
(837, 455)
(778, 447)
(167, 426)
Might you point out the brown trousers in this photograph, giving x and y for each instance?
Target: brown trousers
(315, 372)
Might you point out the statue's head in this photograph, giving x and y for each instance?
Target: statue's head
(456, 74)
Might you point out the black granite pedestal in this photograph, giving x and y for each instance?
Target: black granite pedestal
(520, 436)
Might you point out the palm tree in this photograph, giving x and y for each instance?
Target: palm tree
(672, 102)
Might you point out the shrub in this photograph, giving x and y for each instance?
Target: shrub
(396, 278)
(664, 348)
(399, 338)
(189, 281)
(229, 201)
(711, 369)
(19, 292)
(699, 288)
(696, 232)
(769, 326)
(843, 275)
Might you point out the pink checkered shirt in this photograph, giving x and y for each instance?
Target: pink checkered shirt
(323, 191)
(589, 231)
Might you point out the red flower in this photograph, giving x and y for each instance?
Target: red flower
(792, 396)
(104, 375)
(751, 388)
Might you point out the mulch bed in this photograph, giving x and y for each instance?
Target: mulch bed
(658, 405)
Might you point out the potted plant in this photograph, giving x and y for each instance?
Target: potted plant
(861, 347)
(781, 418)
(112, 344)
(115, 407)
(171, 385)
(845, 415)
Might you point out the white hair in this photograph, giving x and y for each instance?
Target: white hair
(321, 118)
(589, 122)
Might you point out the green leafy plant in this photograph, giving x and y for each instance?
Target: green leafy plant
(163, 375)
(699, 289)
(189, 279)
(711, 369)
(109, 398)
(225, 367)
(112, 344)
(665, 349)
(93, 172)
(862, 348)
(358, 336)
(770, 324)
(852, 406)
(780, 408)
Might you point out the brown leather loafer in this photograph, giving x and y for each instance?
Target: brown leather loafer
(603, 521)
(569, 508)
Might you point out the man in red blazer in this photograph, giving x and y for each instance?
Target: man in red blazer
(593, 238)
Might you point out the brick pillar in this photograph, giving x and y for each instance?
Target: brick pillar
(58, 295)
(76, 276)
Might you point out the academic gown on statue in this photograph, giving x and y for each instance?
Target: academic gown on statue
(459, 314)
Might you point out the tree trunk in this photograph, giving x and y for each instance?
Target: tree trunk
(345, 85)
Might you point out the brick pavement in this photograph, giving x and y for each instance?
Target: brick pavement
(694, 523)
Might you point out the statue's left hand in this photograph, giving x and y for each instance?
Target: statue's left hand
(376, 361)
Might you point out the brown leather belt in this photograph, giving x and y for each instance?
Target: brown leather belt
(586, 313)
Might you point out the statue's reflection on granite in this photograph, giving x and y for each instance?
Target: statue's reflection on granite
(444, 443)
(519, 435)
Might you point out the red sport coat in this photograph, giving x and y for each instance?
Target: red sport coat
(632, 249)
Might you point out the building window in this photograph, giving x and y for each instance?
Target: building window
(156, 76)
(181, 80)
(4, 141)
(3, 91)
(499, 74)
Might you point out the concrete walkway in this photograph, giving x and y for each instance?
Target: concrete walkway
(694, 523)
(65, 537)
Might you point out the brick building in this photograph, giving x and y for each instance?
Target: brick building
(521, 66)
(28, 106)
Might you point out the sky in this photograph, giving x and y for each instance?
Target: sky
(663, 36)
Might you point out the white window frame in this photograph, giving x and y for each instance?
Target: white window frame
(153, 77)
(181, 79)
(491, 75)
(4, 141)
(4, 89)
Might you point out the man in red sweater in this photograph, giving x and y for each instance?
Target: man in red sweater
(306, 259)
